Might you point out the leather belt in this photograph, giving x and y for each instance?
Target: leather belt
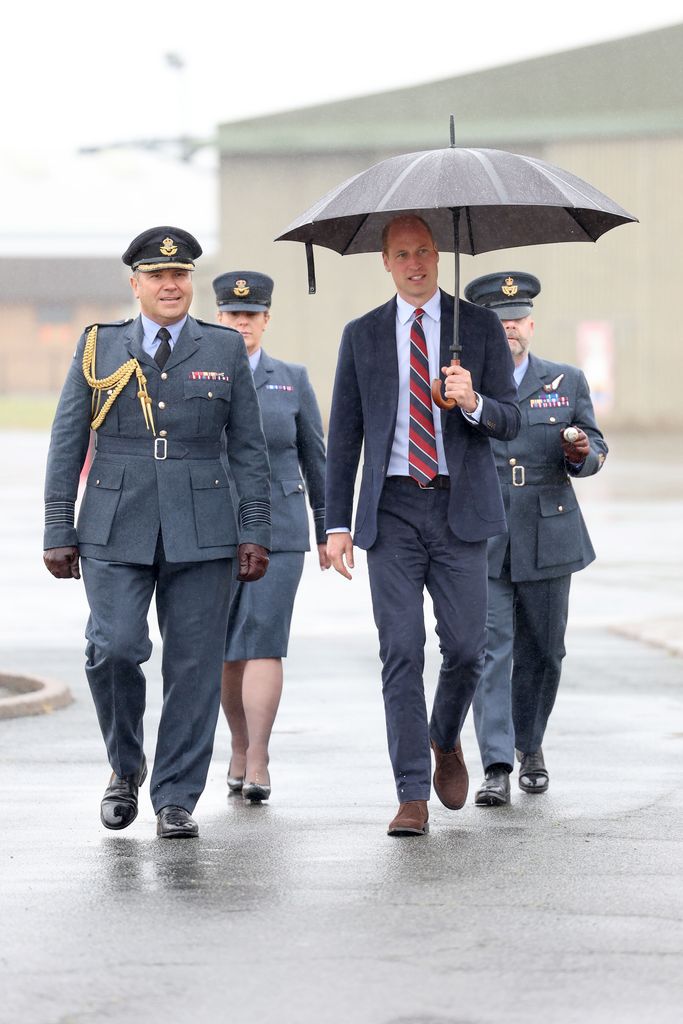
(439, 483)
(159, 448)
(534, 476)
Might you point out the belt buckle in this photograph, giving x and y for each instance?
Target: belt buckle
(164, 448)
(425, 487)
(518, 476)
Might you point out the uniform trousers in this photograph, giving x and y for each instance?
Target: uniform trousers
(192, 609)
(525, 627)
(415, 548)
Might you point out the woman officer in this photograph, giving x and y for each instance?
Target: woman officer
(260, 613)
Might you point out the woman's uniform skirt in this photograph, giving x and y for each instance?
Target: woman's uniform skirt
(261, 613)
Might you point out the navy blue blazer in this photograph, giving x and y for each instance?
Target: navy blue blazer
(363, 414)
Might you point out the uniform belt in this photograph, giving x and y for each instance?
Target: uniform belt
(439, 483)
(530, 476)
(158, 448)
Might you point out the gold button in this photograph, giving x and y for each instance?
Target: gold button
(164, 376)
(513, 462)
(210, 394)
(162, 433)
(560, 508)
(162, 405)
(553, 420)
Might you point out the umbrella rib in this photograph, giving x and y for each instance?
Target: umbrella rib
(347, 248)
(555, 178)
(381, 205)
(494, 177)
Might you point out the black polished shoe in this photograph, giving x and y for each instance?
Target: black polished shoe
(495, 789)
(176, 823)
(119, 805)
(533, 774)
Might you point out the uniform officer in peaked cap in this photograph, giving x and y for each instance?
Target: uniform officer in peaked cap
(530, 567)
(261, 613)
(157, 519)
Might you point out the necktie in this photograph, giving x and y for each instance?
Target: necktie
(164, 350)
(422, 461)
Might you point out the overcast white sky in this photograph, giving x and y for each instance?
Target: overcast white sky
(84, 73)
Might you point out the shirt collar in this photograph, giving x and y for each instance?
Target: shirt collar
(404, 310)
(255, 359)
(151, 328)
(520, 370)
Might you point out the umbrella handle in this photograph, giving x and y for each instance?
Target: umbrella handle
(443, 403)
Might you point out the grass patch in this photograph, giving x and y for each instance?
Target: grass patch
(27, 412)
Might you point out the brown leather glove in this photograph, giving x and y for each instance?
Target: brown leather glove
(62, 563)
(576, 451)
(252, 561)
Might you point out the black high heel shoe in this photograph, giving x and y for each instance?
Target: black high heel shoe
(235, 784)
(255, 791)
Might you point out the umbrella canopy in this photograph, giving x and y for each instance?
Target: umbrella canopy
(474, 200)
(500, 200)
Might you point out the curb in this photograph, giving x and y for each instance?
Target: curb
(662, 633)
(32, 696)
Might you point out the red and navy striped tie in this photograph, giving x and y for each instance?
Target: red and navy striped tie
(422, 462)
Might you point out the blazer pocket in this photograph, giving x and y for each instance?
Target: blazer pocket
(559, 528)
(100, 501)
(214, 515)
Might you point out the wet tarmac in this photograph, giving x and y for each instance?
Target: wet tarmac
(560, 908)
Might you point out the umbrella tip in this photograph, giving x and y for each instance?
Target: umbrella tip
(452, 130)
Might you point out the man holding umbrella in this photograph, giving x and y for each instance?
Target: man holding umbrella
(429, 499)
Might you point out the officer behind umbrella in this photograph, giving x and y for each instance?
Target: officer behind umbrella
(260, 615)
(530, 567)
(157, 518)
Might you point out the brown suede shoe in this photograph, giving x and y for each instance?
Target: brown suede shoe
(451, 780)
(412, 819)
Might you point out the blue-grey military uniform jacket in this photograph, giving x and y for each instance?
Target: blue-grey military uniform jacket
(294, 435)
(205, 389)
(546, 530)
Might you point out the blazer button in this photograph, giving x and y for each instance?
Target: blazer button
(513, 462)
(164, 376)
(560, 508)
(552, 420)
(301, 487)
(163, 433)
(216, 482)
(162, 405)
(97, 482)
(210, 394)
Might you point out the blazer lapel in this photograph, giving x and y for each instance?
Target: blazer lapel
(133, 342)
(263, 370)
(533, 380)
(186, 345)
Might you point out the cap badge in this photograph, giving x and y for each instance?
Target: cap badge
(168, 247)
(509, 288)
(241, 289)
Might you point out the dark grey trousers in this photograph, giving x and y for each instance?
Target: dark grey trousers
(415, 548)
(525, 627)
(192, 608)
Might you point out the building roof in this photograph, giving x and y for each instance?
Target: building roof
(625, 87)
(66, 280)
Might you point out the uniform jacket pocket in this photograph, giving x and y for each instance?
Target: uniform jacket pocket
(100, 501)
(559, 527)
(214, 515)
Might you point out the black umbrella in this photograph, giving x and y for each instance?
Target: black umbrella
(474, 200)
